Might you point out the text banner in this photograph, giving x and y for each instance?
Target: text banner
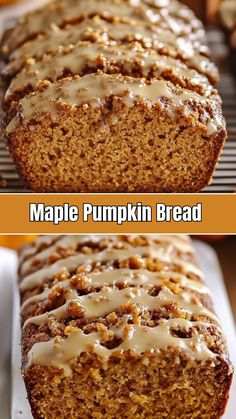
(117, 214)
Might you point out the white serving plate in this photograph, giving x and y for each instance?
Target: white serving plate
(213, 276)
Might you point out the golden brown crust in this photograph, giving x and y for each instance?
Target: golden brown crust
(63, 12)
(157, 266)
(162, 41)
(167, 382)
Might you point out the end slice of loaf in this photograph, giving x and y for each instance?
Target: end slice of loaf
(111, 96)
(120, 318)
(138, 135)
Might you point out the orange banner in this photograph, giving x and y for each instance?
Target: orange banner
(117, 214)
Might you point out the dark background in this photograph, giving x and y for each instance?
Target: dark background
(206, 10)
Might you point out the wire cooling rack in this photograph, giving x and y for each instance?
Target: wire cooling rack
(224, 180)
(225, 175)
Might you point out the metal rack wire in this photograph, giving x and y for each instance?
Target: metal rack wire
(225, 176)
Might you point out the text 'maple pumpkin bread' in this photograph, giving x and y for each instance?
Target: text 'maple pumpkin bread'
(120, 327)
(112, 96)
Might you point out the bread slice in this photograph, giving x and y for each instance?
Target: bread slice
(187, 47)
(84, 58)
(138, 135)
(119, 318)
(112, 96)
(61, 12)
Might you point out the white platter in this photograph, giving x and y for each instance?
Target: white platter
(213, 276)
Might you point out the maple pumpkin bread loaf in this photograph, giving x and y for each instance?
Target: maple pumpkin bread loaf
(111, 96)
(120, 327)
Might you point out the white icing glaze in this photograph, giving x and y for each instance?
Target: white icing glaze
(140, 339)
(85, 55)
(31, 250)
(156, 3)
(111, 291)
(72, 242)
(181, 243)
(71, 262)
(108, 300)
(204, 65)
(214, 123)
(127, 277)
(65, 11)
(64, 242)
(105, 31)
(70, 35)
(94, 89)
